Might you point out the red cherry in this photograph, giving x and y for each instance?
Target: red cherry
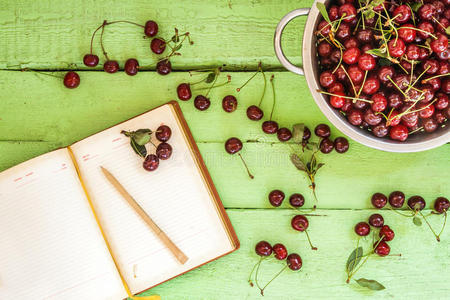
(294, 261)
(386, 233)
(71, 80)
(111, 66)
(351, 55)
(184, 91)
(356, 74)
(299, 223)
(362, 229)
(337, 101)
(407, 33)
(263, 248)
(151, 162)
(399, 133)
(90, 60)
(371, 86)
(280, 251)
(151, 28)
(157, 46)
(426, 111)
(327, 78)
(396, 47)
(440, 44)
(379, 103)
(402, 14)
(382, 249)
(366, 62)
(347, 12)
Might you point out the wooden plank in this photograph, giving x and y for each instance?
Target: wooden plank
(52, 35)
(418, 274)
(46, 111)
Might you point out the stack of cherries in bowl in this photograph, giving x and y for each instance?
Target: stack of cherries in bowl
(385, 65)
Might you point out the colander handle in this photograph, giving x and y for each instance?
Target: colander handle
(277, 39)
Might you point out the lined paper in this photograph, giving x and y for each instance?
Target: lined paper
(174, 196)
(51, 247)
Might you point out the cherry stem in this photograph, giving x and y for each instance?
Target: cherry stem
(122, 21)
(94, 33)
(404, 215)
(217, 73)
(429, 226)
(309, 240)
(345, 97)
(246, 167)
(216, 86)
(253, 269)
(278, 274)
(250, 79)
(365, 260)
(257, 271)
(264, 90)
(274, 98)
(443, 225)
(101, 40)
(40, 72)
(434, 77)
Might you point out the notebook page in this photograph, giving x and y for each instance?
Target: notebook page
(51, 247)
(174, 196)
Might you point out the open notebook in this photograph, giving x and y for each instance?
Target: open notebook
(52, 247)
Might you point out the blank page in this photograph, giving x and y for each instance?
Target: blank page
(51, 247)
(174, 196)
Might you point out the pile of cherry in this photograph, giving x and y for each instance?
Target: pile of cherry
(142, 137)
(279, 251)
(385, 64)
(158, 46)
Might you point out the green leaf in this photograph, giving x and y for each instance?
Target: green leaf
(319, 166)
(370, 284)
(415, 6)
(141, 136)
(211, 77)
(139, 149)
(323, 11)
(297, 132)
(178, 47)
(378, 52)
(384, 62)
(417, 221)
(447, 31)
(354, 259)
(297, 162)
(175, 38)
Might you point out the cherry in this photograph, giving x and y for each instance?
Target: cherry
(284, 134)
(270, 127)
(371, 86)
(407, 33)
(229, 103)
(378, 200)
(371, 118)
(412, 52)
(131, 66)
(427, 11)
(356, 74)
(366, 62)
(396, 47)
(296, 200)
(184, 91)
(157, 46)
(201, 102)
(347, 12)
(396, 199)
(439, 45)
(327, 78)
(324, 49)
(151, 28)
(333, 13)
(326, 145)
(365, 36)
(336, 87)
(382, 249)
(393, 120)
(263, 248)
(151, 162)
(276, 198)
(254, 113)
(351, 55)
(90, 60)
(441, 205)
(362, 229)
(164, 67)
(341, 145)
(431, 66)
(379, 103)
(402, 13)
(426, 111)
(280, 251)
(429, 125)
(355, 117)
(376, 220)
(306, 134)
(425, 28)
(351, 42)
(384, 73)
(343, 31)
(380, 130)
(163, 133)
(300, 223)
(337, 100)
(386, 233)
(164, 151)
(322, 130)
(111, 66)
(71, 80)
(294, 261)
(416, 203)
(324, 28)
(234, 145)
(442, 101)
(399, 133)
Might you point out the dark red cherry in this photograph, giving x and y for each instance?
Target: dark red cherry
(386, 233)
(327, 78)
(322, 130)
(296, 200)
(280, 251)
(402, 13)
(90, 60)
(276, 198)
(429, 125)
(355, 117)
(164, 67)
(356, 74)
(424, 29)
(441, 205)
(233, 145)
(131, 66)
(440, 44)
(427, 12)
(407, 33)
(111, 66)
(362, 229)
(299, 223)
(416, 203)
(201, 102)
(396, 47)
(379, 102)
(396, 199)
(365, 35)
(347, 12)
(294, 261)
(371, 118)
(254, 113)
(380, 130)
(384, 73)
(341, 145)
(151, 162)
(324, 49)
(326, 145)
(263, 248)
(351, 55)
(284, 134)
(163, 133)
(343, 31)
(184, 91)
(71, 80)
(382, 249)
(164, 151)
(151, 28)
(270, 127)
(379, 200)
(157, 46)
(376, 220)
(229, 103)
(399, 133)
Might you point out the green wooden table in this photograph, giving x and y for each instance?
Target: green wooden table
(38, 114)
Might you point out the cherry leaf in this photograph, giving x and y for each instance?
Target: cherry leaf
(297, 132)
(447, 30)
(139, 149)
(297, 162)
(211, 77)
(415, 6)
(370, 284)
(323, 11)
(141, 136)
(354, 259)
(417, 221)
(175, 38)
(378, 52)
